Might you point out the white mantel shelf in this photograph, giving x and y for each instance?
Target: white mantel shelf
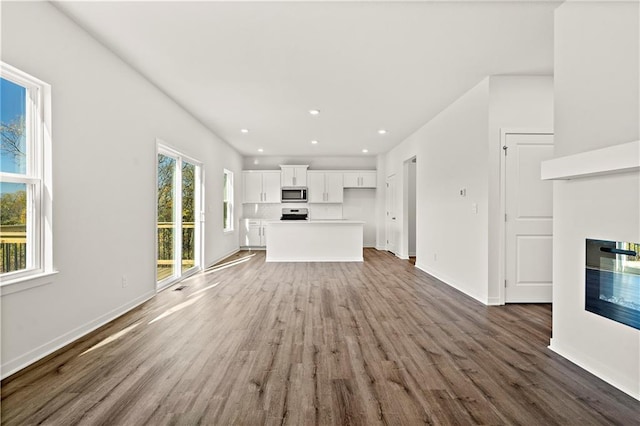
(613, 159)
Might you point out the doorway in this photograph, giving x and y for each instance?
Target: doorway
(409, 209)
(179, 233)
(528, 217)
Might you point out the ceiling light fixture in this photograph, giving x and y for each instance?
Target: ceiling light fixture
(314, 142)
(314, 111)
(365, 150)
(244, 130)
(260, 150)
(382, 131)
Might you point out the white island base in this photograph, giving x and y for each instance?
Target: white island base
(314, 241)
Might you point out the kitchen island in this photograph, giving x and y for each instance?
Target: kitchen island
(314, 240)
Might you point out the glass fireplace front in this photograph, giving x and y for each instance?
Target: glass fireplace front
(613, 280)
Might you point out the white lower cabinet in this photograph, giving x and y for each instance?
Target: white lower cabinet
(252, 233)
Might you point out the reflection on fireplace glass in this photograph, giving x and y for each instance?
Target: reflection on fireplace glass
(613, 280)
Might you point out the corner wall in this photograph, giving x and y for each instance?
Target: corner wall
(453, 154)
(460, 149)
(597, 83)
(106, 118)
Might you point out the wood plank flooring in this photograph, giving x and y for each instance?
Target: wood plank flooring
(370, 343)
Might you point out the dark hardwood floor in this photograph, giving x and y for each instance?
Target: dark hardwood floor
(370, 343)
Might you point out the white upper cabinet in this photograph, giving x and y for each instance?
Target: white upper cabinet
(325, 187)
(294, 175)
(261, 186)
(271, 186)
(360, 179)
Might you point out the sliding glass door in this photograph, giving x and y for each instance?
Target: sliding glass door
(178, 203)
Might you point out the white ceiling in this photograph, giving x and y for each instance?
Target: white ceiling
(365, 65)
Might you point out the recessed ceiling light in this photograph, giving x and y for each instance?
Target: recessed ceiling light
(365, 150)
(260, 150)
(314, 142)
(382, 131)
(314, 111)
(244, 130)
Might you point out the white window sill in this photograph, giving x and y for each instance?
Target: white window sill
(25, 283)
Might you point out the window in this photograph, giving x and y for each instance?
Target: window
(227, 201)
(25, 191)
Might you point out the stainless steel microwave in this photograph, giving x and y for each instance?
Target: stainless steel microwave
(294, 195)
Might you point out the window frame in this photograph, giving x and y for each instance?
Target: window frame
(37, 177)
(229, 206)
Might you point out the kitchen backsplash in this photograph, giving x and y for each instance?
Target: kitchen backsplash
(274, 211)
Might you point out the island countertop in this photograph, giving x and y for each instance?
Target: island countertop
(316, 240)
(315, 221)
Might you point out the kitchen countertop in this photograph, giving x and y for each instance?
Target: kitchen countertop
(316, 221)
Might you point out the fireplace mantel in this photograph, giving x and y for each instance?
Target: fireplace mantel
(613, 159)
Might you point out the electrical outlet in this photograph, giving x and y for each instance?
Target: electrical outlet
(463, 192)
(124, 281)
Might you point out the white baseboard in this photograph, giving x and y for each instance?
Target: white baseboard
(450, 282)
(603, 371)
(22, 361)
(494, 301)
(381, 248)
(224, 256)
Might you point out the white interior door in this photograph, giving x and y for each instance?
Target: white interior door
(392, 218)
(529, 219)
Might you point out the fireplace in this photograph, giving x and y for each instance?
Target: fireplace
(613, 280)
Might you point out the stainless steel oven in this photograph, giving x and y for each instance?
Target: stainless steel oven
(293, 195)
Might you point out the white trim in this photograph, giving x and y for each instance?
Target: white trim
(502, 234)
(494, 301)
(230, 201)
(448, 281)
(620, 158)
(10, 367)
(224, 256)
(37, 178)
(602, 371)
(26, 282)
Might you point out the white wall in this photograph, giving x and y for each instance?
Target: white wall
(106, 118)
(460, 148)
(360, 204)
(452, 239)
(361, 162)
(597, 104)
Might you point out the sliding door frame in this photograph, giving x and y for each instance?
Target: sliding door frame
(162, 148)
